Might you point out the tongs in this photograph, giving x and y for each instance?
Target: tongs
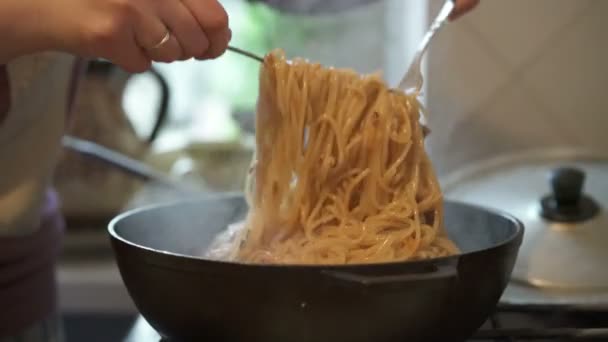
(246, 53)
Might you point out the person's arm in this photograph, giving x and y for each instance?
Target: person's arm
(126, 32)
(22, 32)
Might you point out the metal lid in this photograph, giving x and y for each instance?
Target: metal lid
(561, 196)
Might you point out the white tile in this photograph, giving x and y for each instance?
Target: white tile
(461, 75)
(572, 78)
(517, 28)
(511, 123)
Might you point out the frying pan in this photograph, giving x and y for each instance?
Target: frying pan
(187, 298)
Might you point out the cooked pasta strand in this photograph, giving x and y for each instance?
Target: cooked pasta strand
(341, 175)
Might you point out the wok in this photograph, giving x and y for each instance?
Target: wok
(187, 298)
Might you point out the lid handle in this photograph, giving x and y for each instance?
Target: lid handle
(567, 202)
(567, 184)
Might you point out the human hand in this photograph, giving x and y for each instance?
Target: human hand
(126, 32)
(463, 7)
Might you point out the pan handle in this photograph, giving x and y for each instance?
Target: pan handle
(438, 271)
(119, 161)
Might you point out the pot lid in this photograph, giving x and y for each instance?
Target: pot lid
(561, 196)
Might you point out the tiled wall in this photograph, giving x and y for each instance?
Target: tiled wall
(519, 74)
(510, 76)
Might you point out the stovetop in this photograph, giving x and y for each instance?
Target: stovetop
(525, 322)
(514, 323)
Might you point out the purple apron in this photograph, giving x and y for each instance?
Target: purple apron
(27, 272)
(27, 264)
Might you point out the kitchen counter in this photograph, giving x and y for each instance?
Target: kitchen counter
(92, 286)
(87, 276)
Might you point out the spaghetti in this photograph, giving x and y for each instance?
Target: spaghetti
(341, 175)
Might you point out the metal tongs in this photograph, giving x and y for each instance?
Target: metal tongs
(246, 53)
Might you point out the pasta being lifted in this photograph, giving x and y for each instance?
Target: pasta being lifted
(341, 175)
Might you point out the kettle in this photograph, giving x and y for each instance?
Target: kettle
(90, 190)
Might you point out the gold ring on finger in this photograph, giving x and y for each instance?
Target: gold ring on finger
(163, 41)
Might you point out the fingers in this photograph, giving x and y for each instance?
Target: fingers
(463, 7)
(167, 49)
(151, 34)
(132, 33)
(132, 59)
(113, 38)
(185, 28)
(210, 14)
(213, 20)
(218, 44)
(198, 27)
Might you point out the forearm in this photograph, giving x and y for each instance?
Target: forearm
(22, 28)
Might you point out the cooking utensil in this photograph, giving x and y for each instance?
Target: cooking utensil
(413, 79)
(185, 297)
(117, 80)
(87, 192)
(156, 187)
(246, 53)
(561, 195)
(118, 161)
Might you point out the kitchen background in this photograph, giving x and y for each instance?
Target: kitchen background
(512, 75)
(517, 75)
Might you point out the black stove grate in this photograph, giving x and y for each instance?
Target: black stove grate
(537, 323)
(524, 322)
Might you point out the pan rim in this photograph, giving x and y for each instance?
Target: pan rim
(517, 234)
